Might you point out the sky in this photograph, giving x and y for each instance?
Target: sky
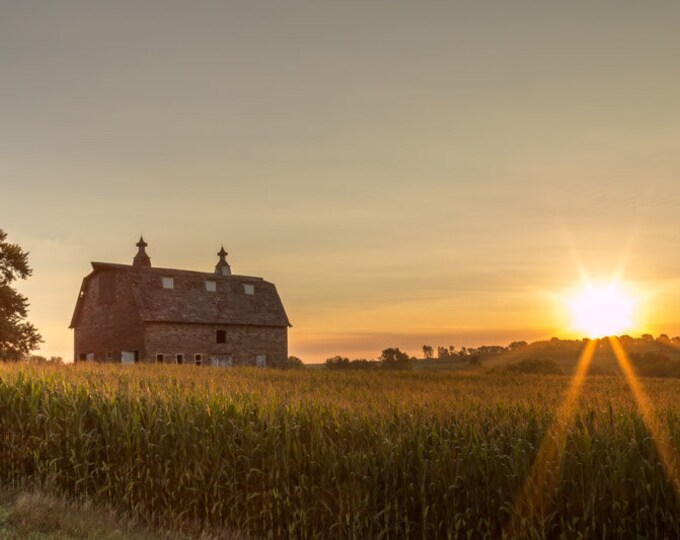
(406, 173)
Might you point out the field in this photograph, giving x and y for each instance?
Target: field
(310, 453)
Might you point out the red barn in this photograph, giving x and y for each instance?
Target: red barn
(129, 313)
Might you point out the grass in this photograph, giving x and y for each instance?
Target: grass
(310, 453)
(35, 515)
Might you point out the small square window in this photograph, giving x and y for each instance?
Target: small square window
(248, 288)
(211, 286)
(108, 356)
(159, 358)
(168, 282)
(180, 358)
(198, 359)
(221, 336)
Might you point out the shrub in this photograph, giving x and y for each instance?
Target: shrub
(393, 358)
(294, 362)
(538, 366)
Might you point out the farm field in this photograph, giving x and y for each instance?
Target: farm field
(311, 453)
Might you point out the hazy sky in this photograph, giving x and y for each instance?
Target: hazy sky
(405, 173)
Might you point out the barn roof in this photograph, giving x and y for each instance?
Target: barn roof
(190, 302)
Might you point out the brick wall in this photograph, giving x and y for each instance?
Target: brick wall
(109, 321)
(243, 343)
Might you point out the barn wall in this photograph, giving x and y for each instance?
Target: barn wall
(109, 323)
(243, 343)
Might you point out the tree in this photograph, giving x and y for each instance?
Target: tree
(343, 363)
(663, 338)
(17, 337)
(294, 362)
(393, 358)
(428, 351)
(517, 345)
(337, 362)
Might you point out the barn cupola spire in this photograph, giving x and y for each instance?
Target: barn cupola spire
(223, 267)
(141, 259)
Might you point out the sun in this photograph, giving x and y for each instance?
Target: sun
(602, 310)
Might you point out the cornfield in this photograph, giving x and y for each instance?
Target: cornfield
(309, 454)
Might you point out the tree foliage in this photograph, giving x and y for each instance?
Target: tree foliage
(339, 363)
(17, 336)
(394, 358)
(294, 362)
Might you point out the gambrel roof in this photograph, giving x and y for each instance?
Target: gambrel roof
(190, 302)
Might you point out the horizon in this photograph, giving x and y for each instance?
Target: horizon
(404, 175)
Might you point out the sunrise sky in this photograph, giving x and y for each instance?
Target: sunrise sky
(405, 173)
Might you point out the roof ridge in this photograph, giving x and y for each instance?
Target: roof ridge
(157, 269)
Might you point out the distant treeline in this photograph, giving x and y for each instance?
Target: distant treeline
(644, 341)
(38, 359)
(390, 358)
(648, 354)
(464, 353)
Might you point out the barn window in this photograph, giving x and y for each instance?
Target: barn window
(221, 336)
(211, 286)
(89, 357)
(198, 359)
(168, 282)
(159, 358)
(108, 356)
(261, 360)
(248, 288)
(180, 358)
(82, 357)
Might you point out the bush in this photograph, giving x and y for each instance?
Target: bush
(393, 358)
(294, 362)
(535, 365)
(344, 363)
(655, 364)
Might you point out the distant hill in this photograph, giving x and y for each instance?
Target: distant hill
(645, 353)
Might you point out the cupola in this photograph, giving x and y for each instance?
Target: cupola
(141, 259)
(222, 268)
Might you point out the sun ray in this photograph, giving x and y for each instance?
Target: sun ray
(535, 497)
(666, 451)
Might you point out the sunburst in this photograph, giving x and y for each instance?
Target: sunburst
(599, 310)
